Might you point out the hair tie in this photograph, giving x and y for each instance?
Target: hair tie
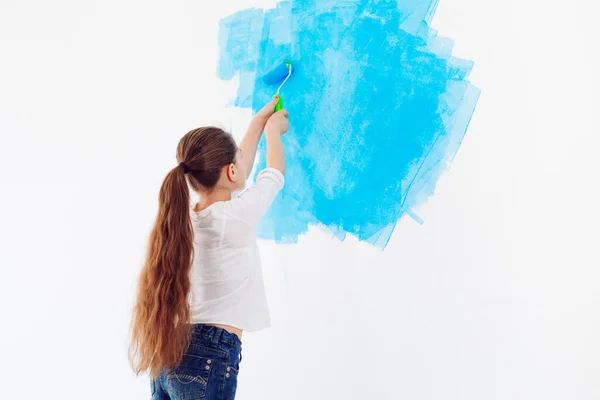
(185, 167)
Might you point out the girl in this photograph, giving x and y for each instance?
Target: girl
(202, 285)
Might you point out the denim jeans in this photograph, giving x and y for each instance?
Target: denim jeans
(208, 371)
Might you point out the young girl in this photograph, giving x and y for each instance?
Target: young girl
(202, 284)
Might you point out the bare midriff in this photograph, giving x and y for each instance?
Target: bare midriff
(230, 329)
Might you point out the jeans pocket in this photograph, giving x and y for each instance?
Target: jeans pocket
(189, 381)
(231, 377)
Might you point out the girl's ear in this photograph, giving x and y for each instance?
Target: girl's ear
(231, 173)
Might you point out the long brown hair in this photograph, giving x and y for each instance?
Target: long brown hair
(160, 329)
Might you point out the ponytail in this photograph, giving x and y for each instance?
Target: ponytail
(160, 325)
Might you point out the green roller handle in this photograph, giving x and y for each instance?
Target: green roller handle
(279, 104)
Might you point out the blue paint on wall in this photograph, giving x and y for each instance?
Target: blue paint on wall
(378, 109)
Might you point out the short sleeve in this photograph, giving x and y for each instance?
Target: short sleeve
(252, 204)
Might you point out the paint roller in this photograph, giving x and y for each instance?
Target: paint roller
(282, 71)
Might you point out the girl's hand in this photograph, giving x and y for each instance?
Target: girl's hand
(278, 122)
(265, 113)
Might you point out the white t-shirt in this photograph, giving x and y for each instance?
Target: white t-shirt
(226, 275)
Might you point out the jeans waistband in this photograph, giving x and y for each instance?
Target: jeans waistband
(216, 334)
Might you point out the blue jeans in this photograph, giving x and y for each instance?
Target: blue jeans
(208, 371)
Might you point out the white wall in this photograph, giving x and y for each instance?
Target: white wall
(494, 297)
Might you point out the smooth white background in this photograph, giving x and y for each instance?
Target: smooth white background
(494, 297)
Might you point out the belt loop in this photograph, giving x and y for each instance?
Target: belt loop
(217, 335)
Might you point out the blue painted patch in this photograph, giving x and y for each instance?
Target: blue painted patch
(378, 109)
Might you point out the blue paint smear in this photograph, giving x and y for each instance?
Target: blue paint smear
(378, 109)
